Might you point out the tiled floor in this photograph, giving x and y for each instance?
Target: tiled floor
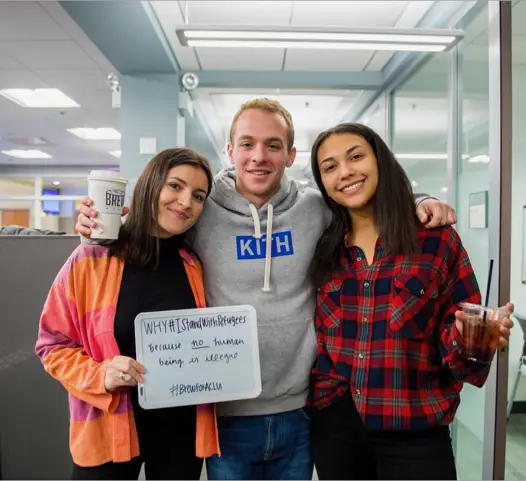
(469, 451)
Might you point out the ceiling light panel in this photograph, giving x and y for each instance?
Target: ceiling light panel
(26, 154)
(103, 133)
(39, 98)
(316, 45)
(317, 36)
(337, 39)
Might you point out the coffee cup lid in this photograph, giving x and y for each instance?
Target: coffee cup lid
(106, 175)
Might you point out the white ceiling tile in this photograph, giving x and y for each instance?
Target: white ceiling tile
(22, 79)
(7, 62)
(379, 61)
(75, 32)
(27, 21)
(347, 13)
(239, 13)
(42, 55)
(413, 13)
(88, 80)
(212, 58)
(327, 60)
(48, 54)
(171, 17)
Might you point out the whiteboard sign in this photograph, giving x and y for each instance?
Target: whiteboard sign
(198, 356)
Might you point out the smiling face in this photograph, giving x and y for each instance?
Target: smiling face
(260, 154)
(348, 170)
(181, 199)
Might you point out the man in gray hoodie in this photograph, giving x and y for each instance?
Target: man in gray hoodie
(252, 201)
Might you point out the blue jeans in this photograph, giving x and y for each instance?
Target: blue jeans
(263, 447)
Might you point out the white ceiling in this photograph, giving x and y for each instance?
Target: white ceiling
(41, 47)
(325, 107)
(173, 15)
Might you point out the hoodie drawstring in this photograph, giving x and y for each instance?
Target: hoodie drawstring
(268, 255)
(255, 218)
(257, 235)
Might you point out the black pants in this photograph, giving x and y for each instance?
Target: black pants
(343, 449)
(172, 467)
(167, 445)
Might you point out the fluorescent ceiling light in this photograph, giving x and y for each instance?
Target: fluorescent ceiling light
(26, 154)
(314, 36)
(104, 133)
(115, 153)
(426, 156)
(56, 182)
(421, 156)
(479, 159)
(39, 98)
(297, 37)
(316, 45)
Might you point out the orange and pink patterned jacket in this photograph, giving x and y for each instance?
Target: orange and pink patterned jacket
(75, 342)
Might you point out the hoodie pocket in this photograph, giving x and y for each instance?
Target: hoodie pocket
(329, 311)
(412, 304)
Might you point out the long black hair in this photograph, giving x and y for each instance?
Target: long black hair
(393, 206)
(136, 243)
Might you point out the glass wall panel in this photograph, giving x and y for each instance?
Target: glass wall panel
(420, 118)
(472, 186)
(376, 118)
(516, 426)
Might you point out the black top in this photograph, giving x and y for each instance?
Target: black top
(145, 289)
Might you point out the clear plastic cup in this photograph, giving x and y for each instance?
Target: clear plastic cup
(481, 331)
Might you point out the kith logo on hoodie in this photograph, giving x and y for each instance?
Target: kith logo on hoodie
(248, 247)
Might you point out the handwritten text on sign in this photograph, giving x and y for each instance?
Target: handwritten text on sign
(198, 356)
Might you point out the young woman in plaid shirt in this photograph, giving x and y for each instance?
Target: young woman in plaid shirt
(387, 381)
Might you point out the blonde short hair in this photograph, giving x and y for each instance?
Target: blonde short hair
(266, 105)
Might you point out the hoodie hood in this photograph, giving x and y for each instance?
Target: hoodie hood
(225, 194)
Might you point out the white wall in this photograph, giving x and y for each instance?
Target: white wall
(518, 290)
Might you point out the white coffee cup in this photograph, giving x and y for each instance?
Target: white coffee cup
(107, 189)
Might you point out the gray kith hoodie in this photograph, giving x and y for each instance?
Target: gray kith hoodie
(241, 268)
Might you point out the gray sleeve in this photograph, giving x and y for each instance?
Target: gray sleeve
(419, 198)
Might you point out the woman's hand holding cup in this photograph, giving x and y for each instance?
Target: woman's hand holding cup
(87, 217)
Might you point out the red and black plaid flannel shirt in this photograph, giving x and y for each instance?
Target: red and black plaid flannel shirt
(386, 332)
